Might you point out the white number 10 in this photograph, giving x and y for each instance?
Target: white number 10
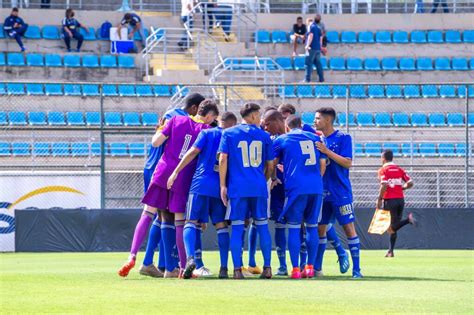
(251, 154)
(307, 147)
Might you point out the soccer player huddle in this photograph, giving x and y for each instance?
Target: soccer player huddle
(235, 173)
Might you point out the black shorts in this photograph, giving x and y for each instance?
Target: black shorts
(395, 206)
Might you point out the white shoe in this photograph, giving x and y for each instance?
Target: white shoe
(202, 272)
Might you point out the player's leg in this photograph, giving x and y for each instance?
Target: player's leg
(260, 213)
(177, 205)
(168, 237)
(280, 244)
(333, 238)
(252, 244)
(236, 213)
(293, 212)
(161, 256)
(312, 214)
(217, 214)
(154, 237)
(198, 253)
(303, 248)
(326, 216)
(346, 217)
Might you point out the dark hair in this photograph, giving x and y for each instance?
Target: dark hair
(293, 121)
(299, 18)
(248, 109)
(68, 12)
(287, 108)
(273, 115)
(127, 16)
(228, 116)
(327, 111)
(214, 123)
(15, 9)
(193, 99)
(206, 107)
(387, 155)
(269, 108)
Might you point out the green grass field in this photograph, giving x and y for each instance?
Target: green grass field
(414, 282)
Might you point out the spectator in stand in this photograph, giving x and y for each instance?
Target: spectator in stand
(208, 15)
(298, 35)
(313, 52)
(71, 28)
(443, 3)
(419, 7)
(15, 27)
(223, 13)
(322, 27)
(135, 24)
(187, 19)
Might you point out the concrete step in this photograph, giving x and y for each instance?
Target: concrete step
(177, 76)
(241, 93)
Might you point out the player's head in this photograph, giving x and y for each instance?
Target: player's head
(69, 13)
(208, 111)
(387, 156)
(228, 119)
(299, 20)
(273, 122)
(324, 118)
(292, 122)
(317, 18)
(287, 110)
(250, 112)
(15, 12)
(191, 103)
(269, 108)
(127, 17)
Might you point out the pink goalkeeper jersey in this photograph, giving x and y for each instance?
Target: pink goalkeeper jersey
(182, 132)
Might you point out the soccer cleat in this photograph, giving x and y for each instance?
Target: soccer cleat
(125, 269)
(309, 271)
(389, 254)
(223, 273)
(254, 270)
(411, 219)
(172, 274)
(296, 273)
(150, 271)
(318, 273)
(266, 273)
(189, 269)
(357, 275)
(344, 263)
(238, 274)
(202, 272)
(282, 271)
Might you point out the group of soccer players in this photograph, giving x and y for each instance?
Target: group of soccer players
(235, 173)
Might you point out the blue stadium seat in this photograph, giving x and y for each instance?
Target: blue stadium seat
(365, 120)
(15, 88)
(232, 64)
(322, 91)
(373, 149)
(418, 37)
(109, 90)
(354, 64)
(266, 64)
(3, 119)
(96, 151)
(401, 120)
(383, 37)
(16, 59)
(455, 119)
(446, 149)
(299, 63)
(407, 64)
(412, 91)
(20, 149)
(308, 118)
(37, 118)
(53, 89)
(460, 64)
(72, 90)
(33, 32)
(339, 91)
(90, 90)
(89, 35)
(80, 149)
(17, 118)
(72, 61)
(126, 90)
(359, 149)
(144, 90)
(93, 119)
(248, 64)
(394, 147)
(366, 37)
(287, 91)
(428, 149)
(34, 89)
(324, 63)
(424, 64)
(52, 60)
(390, 64)
(118, 149)
(419, 120)
(428, 91)
(113, 119)
(90, 61)
(376, 91)
(461, 149)
(410, 149)
(383, 119)
(3, 89)
(400, 37)
(304, 91)
(162, 90)
(2, 34)
(150, 119)
(41, 149)
(5, 149)
(3, 61)
(442, 64)
(372, 64)
(336, 63)
(468, 36)
(437, 120)
(126, 62)
(56, 119)
(453, 37)
(108, 61)
(61, 149)
(131, 119)
(348, 37)
(333, 37)
(435, 37)
(262, 36)
(137, 35)
(50, 32)
(284, 62)
(447, 91)
(279, 37)
(35, 60)
(357, 91)
(75, 119)
(136, 149)
(341, 118)
(462, 91)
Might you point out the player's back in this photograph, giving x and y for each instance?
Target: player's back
(394, 176)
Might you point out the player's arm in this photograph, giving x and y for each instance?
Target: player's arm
(163, 131)
(382, 190)
(322, 166)
(407, 185)
(275, 179)
(158, 139)
(223, 165)
(342, 161)
(187, 158)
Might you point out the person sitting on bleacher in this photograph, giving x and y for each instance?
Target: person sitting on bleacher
(71, 28)
(135, 24)
(299, 34)
(15, 27)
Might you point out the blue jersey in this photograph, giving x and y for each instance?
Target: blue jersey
(248, 148)
(316, 42)
(277, 194)
(206, 178)
(71, 23)
(308, 128)
(300, 158)
(10, 21)
(337, 185)
(156, 153)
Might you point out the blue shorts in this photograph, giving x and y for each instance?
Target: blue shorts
(243, 208)
(344, 214)
(276, 210)
(299, 208)
(200, 207)
(147, 176)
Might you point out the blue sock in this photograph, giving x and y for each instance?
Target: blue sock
(168, 235)
(354, 247)
(189, 236)
(198, 252)
(161, 256)
(294, 243)
(265, 242)
(331, 234)
(280, 243)
(318, 265)
(175, 254)
(243, 243)
(236, 243)
(303, 249)
(154, 238)
(252, 245)
(223, 240)
(312, 239)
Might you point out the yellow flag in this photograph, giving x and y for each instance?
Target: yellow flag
(380, 222)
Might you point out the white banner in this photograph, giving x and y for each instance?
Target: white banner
(43, 190)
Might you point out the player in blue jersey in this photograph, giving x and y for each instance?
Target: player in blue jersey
(303, 167)
(204, 196)
(338, 200)
(287, 110)
(245, 165)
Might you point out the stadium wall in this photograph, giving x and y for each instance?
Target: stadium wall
(111, 230)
